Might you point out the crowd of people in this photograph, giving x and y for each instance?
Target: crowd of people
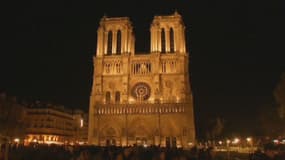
(270, 151)
(67, 152)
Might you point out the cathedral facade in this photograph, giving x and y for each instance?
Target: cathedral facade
(142, 99)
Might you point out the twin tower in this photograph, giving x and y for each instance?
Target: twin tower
(143, 99)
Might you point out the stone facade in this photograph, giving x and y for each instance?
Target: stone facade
(141, 98)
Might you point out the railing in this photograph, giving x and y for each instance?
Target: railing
(113, 109)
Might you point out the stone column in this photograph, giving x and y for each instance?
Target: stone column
(129, 43)
(99, 42)
(114, 41)
(183, 39)
(155, 32)
(124, 40)
(167, 39)
(105, 43)
(159, 40)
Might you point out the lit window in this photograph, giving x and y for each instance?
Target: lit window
(81, 122)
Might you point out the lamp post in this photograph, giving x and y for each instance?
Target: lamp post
(228, 149)
(249, 141)
(159, 127)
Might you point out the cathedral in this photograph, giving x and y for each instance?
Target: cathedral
(141, 98)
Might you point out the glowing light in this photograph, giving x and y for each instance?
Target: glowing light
(131, 100)
(177, 99)
(248, 139)
(275, 141)
(17, 140)
(81, 122)
(35, 140)
(228, 141)
(145, 145)
(236, 140)
(190, 143)
(220, 142)
(80, 143)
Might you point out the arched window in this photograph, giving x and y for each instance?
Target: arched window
(171, 40)
(117, 97)
(109, 47)
(162, 40)
(108, 97)
(118, 51)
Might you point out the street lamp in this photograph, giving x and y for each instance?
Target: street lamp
(249, 141)
(220, 142)
(228, 149)
(236, 141)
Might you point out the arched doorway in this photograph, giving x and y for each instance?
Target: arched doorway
(109, 137)
(139, 134)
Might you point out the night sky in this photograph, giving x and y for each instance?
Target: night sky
(236, 49)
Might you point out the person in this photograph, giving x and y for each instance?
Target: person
(84, 155)
(269, 153)
(125, 155)
(2, 152)
(210, 153)
(281, 152)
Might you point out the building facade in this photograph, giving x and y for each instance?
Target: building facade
(141, 98)
(48, 123)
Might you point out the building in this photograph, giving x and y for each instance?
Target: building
(81, 129)
(141, 98)
(49, 123)
(11, 117)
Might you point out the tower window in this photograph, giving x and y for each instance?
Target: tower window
(162, 40)
(118, 51)
(109, 47)
(108, 97)
(117, 97)
(171, 40)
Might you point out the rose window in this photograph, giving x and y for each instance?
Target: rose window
(141, 91)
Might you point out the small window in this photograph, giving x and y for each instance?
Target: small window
(117, 97)
(108, 97)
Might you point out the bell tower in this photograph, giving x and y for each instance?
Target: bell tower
(167, 34)
(115, 36)
(115, 43)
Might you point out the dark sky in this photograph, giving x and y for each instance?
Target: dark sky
(236, 49)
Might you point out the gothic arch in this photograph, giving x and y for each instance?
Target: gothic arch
(137, 128)
(119, 42)
(171, 37)
(108, 97)
(109, 43)
(163, 47)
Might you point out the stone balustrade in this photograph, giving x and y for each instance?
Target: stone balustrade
(112, 109)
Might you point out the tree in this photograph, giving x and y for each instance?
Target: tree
(10, 117)
(279, 94)
(214, 128)
(269, 123)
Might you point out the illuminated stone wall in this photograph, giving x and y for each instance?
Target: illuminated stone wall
(141, 98)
